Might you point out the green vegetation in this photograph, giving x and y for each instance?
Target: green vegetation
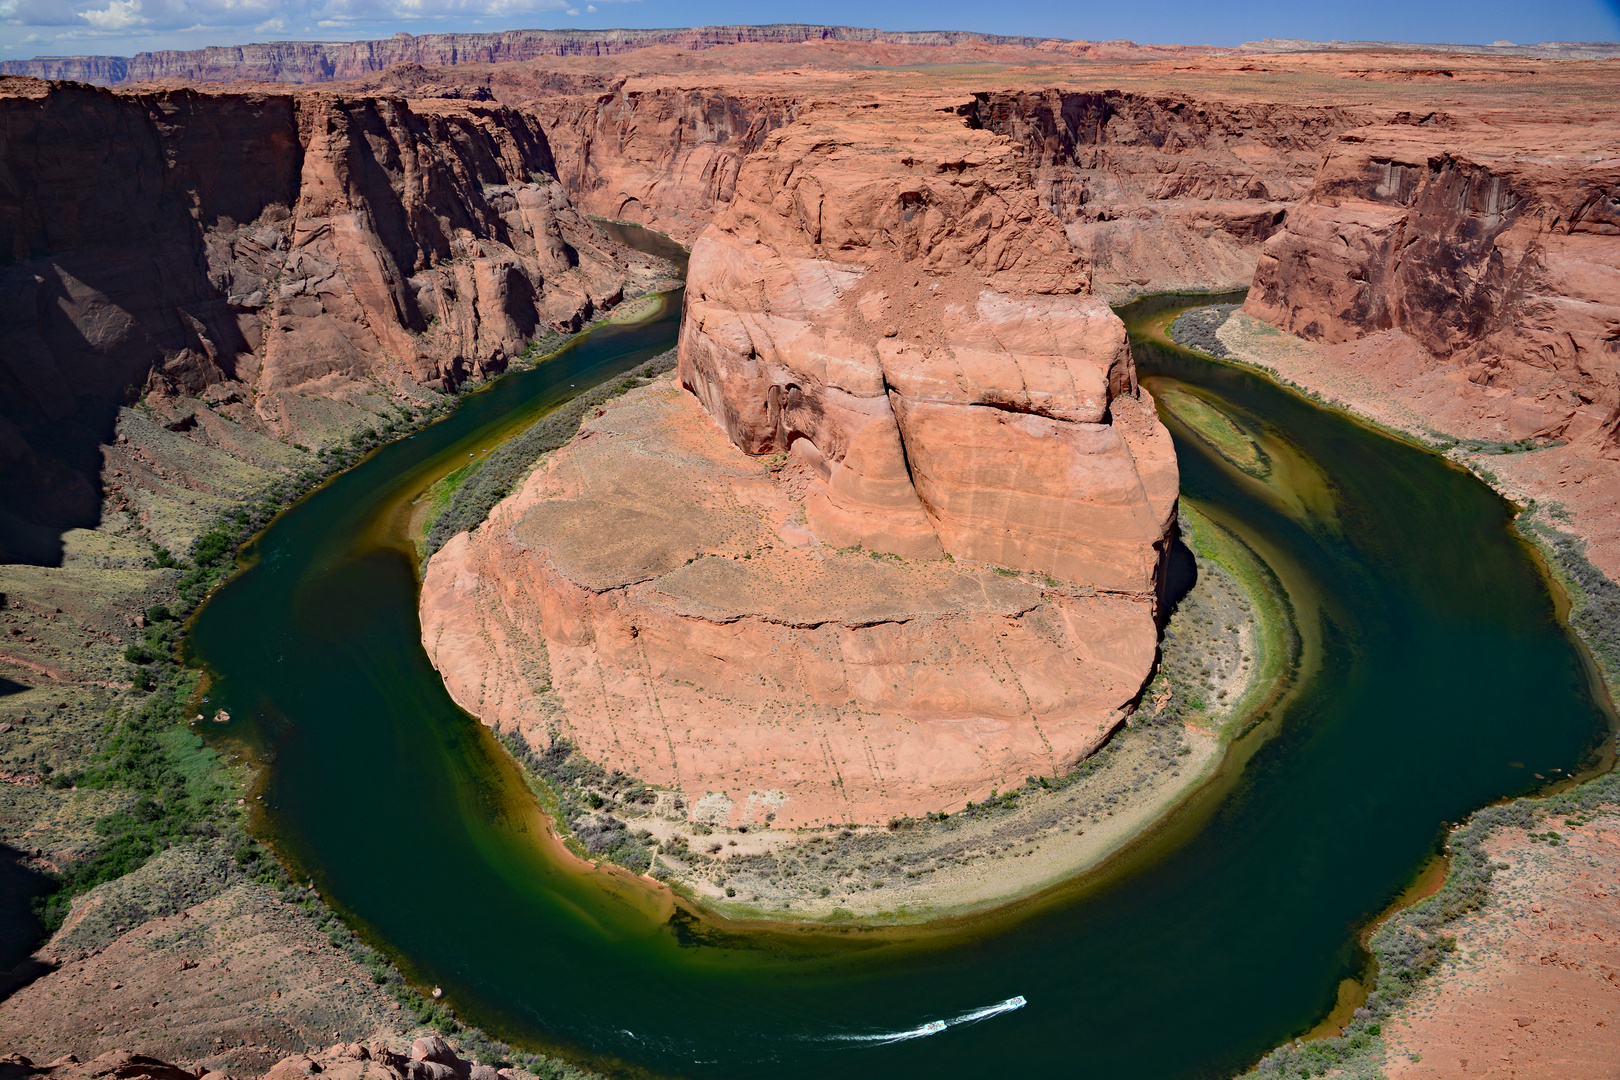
(463, 500)
(572, 789)
(1216, 429)
(1594, 598)
(1195, 329)
(182, 792)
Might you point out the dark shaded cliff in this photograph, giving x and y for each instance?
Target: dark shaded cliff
(269, 245)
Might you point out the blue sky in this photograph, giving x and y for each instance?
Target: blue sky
(123, 27)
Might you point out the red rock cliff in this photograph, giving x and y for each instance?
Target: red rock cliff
(1490, 242)
(1163, 192)
(663, 156)
(886, 299)
(284, 244)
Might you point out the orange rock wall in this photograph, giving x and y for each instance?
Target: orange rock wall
(1494, 243)
(664, 157)
(1163, 192)
(886, 298)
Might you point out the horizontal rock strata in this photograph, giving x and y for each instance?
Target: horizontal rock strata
(653, 594)
(1490, 243)
(884, 300)
(1160, 193)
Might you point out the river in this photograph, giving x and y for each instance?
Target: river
(1443, 680)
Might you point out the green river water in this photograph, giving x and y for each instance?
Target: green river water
(1443, 680)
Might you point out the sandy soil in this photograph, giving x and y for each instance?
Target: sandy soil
(1533, 990)
(234, 983)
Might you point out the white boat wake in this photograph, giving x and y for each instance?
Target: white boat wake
(975, 1015)
(933, 1027)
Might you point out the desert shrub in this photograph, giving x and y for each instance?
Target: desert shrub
(1195, 329)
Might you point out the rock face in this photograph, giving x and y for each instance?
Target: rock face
(1159, 192)
(1490, 243)
(1154, 192)
(275, 244)
(884, 300)
(769, 589)
(652, 595)
(662, 156)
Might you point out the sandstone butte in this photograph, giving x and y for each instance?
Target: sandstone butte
(851, 294)
(885, 308)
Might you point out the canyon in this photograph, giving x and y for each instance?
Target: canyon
(894, 536)
(284, 265)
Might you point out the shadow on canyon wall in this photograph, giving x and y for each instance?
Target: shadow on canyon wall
(106, 206)
(20, 886)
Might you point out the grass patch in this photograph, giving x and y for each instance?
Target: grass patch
(1216, 429)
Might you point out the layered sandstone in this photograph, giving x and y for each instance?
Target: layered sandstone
(666, 157)
(1489, 243)
(1155, 192)
(653, 595)
(885, 300)
(1164, 192)
(791, 587)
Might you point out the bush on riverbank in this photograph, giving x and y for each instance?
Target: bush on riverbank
(180, 791)
(1594, 597)
(1195, 329)
(577, 786)
(485, 483)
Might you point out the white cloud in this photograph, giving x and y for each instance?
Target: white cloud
(125, 27)
(117, 15)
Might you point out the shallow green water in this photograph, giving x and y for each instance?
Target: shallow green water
(1442, 663)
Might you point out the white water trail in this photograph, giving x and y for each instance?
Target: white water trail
(932, 1027)
(884, 1038)
(975, 1015)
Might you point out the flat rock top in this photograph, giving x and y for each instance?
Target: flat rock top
(653, 492)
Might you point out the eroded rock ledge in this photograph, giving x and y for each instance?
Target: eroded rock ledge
(895, 537)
